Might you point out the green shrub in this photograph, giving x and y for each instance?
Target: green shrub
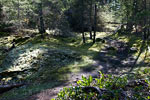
(105, 87)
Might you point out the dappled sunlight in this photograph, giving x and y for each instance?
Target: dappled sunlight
(75, 44)
(22, 58)
(6, 41)
(136, 49)
(46, 61)
(46, 45)
(103, 34)
(96, 47)
(78, 65)
(87, 59)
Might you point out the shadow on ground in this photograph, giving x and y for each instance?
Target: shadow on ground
(119, 56)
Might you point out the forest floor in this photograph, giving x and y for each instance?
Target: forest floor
(47, 65)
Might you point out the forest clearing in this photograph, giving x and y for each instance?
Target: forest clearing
(75, 50)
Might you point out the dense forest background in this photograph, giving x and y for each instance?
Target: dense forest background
(101, 47)
(73, 15)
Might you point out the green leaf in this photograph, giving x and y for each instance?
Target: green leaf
(90, 80)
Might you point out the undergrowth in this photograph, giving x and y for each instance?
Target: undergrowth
(108, 87)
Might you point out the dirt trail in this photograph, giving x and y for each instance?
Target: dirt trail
(115, 57)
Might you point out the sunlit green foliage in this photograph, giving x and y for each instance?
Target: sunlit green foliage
(111, 87)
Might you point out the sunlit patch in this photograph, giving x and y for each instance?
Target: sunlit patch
(94, 49)
(23, 57)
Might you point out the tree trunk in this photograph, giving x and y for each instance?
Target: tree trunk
(41, 21)
(83, 35)
(95, 24)
(91, 3)
(129, 23)
(19, 15)
(145, 20)
(149, 19)
(1, 12)
(135, 7)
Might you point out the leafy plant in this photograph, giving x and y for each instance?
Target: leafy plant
(105, 87)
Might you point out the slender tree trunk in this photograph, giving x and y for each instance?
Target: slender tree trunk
(145, 20)
(134, 13)
(95, 24)
(19, 15)
(127, 16)
(41, 21)
(1, 12)
(83, 35)
(91, 3)
(127, 28)
(149, 19)
(129, 23)
(18, 9)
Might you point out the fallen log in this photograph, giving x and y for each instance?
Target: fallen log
(5, 88)
(10, 73)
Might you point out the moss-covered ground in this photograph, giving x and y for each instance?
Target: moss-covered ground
(55, 61)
